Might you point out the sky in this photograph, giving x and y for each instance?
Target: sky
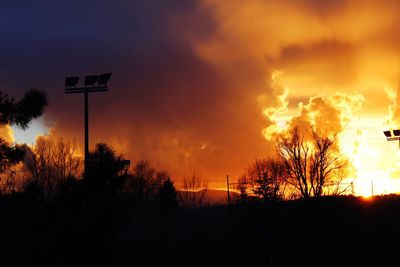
(203, 85)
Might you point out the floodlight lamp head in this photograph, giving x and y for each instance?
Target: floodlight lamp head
(387, 133)
(90, 80)
(71, 81)
(396, 132)
(103, 79)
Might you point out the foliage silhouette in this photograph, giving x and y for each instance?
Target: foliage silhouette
(29, 107)
(146, 185)
(264, 178)
(9, 155)
(106, 170)
(167, 196)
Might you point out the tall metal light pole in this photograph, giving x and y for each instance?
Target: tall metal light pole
(93, 84)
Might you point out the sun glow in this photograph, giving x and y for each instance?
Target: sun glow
(374, 167)
(373, 159)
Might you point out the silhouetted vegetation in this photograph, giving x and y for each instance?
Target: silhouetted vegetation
(132, 215)
(29, 107)
(106, 170)
(50, 164)
(311, 162)
(194, 192)
(263, 181)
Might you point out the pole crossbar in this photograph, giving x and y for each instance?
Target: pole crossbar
(83, 90)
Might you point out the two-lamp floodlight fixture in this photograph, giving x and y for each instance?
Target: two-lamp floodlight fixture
(92, 83)
(392, 135)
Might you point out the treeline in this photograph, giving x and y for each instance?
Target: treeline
(306, 163)
(51, 169)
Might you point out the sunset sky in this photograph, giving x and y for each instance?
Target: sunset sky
(203, 85)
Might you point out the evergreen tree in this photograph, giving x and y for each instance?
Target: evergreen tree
(19, 113)
(106, 170)
(168, 195)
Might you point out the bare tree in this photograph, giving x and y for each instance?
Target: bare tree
(51, 162)
(263, 180)
(194, 192)
(65, 161)
(266, 179)
(327, 165)
(311, 165)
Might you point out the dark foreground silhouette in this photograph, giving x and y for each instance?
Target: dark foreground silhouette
(100, 229)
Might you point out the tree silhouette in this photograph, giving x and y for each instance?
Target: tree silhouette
(264, 179)
(145, 183)
(194, 192)
(167, 195)
(9, 155)
(20, 113)
(106, 170)
(311, 164)
(51, 163)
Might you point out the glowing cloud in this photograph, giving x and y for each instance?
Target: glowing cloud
(7, 133)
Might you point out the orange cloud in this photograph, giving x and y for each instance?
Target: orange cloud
(7, 133)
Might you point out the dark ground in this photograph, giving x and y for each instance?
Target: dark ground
(108, 231)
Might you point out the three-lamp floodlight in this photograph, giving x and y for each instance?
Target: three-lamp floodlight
(387, 133)
(90, 80)
(103, 79)
(71, 81)
(92, 83)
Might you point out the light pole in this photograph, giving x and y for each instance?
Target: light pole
(93, 84)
